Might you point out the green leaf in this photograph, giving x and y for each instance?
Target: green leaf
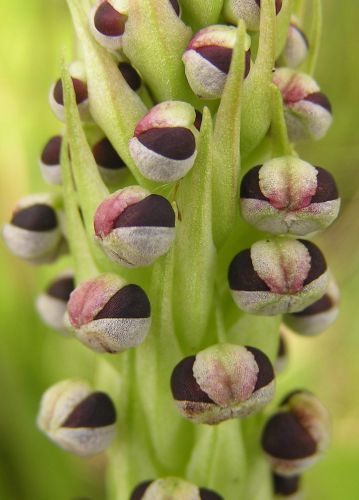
(115, 107)
(154, 41)
(194, 248)
(226, 149)
(201, 13)
(279, 135)
(90, 187)
(84, 265)
(282, 25)
(314, 36)
(256, 109)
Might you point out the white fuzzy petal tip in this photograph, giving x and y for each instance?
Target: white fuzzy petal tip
(156, 167)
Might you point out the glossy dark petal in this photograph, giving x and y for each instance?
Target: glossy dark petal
(52, 150)
(175, 6)
(278, 5)
(106, 156)
(250, 188)
(284, 437)
(326, 187)
(219, 56)
(266, 372)
(38, 217)
(80, 88)
(318, 265)
(131, 76)
(129, 302)
(108, 21)
(154, 211)
(285, 486)
(97, 410)
(282, 348)
(247, 63)
(206, 494)
(140, 490)
(61, 288)
(176, 143)
(198, 120)
(322, 305)
(184, 386)
(242, 276)
(320, 99)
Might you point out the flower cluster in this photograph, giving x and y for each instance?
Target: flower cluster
(146, 195)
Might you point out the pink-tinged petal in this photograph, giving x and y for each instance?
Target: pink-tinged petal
(218, 35)
(294, 86)
(288, 183)
(282, 264)
(89, 298)
(111, 208)
(167, 114)
(227, 373)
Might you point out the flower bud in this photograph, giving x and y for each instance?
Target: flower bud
(111, 166)
(76, 418)
(222, 382)
(278, 276)
(317, 317)
(33, 233)
(52, 304)
(281, 361)
(296, 436)
(288, 195)
(131, 76)
(56, 94)
(208, 58)
(50, 161)
(296, 47)
(109, 316)
(172, 488)
(286, 487)
(134, 227)
(248, 10)
(307, 111)
(108, 22)
(164, 143)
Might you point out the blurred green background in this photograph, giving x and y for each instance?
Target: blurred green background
(33, 35)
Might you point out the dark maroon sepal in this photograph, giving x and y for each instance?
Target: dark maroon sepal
(284, 438)
(184, 386)
(266, 372)
(129, 302)
(175, 143)
(61, 288)
(106, 156)
(108, 21)
(97, 410)
(219, 56)
(38, 217)
(153, 211)
(242, 276)
(52, 150)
